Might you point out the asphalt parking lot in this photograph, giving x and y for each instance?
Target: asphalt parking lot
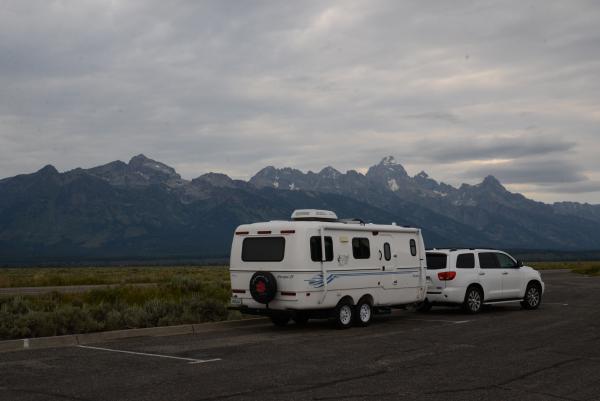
(503, 353)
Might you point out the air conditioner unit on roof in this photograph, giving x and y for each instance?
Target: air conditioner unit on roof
(314, 215)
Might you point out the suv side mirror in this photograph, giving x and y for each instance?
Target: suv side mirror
(519, 263)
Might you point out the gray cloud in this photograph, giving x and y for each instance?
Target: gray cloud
(531, 172)
(435, 115)
(465, 148)
(233, 87)
(582, 187)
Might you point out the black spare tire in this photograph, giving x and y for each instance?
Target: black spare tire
(263, 287)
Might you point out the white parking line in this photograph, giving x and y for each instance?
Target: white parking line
(444, 321)
(189, 360)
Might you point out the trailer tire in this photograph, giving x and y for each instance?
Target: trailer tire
(363, 312)
(343, 314)
(263, 287)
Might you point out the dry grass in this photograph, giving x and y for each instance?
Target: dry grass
(44, 277)
(591, 268)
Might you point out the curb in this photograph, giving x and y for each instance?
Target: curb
(101, 336)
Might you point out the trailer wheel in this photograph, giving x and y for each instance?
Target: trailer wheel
(343, 314)
(364, 312)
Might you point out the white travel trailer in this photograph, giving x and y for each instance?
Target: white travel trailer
(317, 266)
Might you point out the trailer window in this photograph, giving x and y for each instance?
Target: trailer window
(315, 249)
(413, 247)
(387, 251)
(361, 248)
(465, 261)
(436, 261)
(263, 249)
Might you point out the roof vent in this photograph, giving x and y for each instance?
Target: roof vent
(313, 215)
(352, 221)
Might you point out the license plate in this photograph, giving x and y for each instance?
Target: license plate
(236, 301)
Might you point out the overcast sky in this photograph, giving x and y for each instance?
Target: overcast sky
(458, 89)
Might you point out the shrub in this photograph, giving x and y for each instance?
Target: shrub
(195, 295)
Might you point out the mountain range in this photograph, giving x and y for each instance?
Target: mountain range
(145, 210)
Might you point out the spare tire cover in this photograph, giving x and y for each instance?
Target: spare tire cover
(263, 287)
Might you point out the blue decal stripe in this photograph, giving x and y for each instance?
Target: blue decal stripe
(317, 281)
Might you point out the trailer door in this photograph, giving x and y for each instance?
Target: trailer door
(407, 260)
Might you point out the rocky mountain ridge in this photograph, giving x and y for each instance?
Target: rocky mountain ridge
(144, 209)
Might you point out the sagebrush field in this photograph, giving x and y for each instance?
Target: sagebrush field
(181, 295)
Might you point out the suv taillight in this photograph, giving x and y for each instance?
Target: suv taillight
(444, 276)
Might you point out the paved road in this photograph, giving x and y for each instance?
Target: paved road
(65, 288)
(505, 353)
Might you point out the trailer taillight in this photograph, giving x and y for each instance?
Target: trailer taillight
(445, 276)
(264, 232)
(242, 232)
(287, 231)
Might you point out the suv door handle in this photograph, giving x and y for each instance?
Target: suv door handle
(505, 273)
(482, 273)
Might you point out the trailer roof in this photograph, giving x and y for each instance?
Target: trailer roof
(330, 226)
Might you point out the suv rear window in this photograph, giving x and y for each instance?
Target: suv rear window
(436, 261)
(465, 261)
(315, 249)
(263, 249)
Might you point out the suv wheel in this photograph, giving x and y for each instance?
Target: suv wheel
(533, 296)
(473, 300)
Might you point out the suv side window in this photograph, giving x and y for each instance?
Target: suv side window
(505, 261)
(465, 261)
(488, 260)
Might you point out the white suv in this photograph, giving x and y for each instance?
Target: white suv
(473, 277)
